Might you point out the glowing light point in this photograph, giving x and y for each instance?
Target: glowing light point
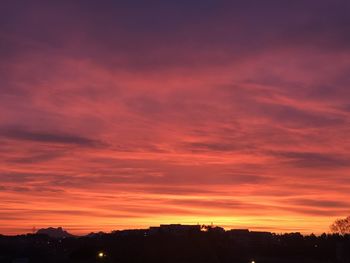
(101, 255)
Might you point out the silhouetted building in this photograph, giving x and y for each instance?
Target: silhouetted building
(175, 229)
(216, 230)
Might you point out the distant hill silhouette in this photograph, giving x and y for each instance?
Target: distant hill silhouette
(58, 232)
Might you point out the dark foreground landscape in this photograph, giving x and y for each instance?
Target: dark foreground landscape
(174, 244)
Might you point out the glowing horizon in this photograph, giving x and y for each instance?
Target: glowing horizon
(117, 116)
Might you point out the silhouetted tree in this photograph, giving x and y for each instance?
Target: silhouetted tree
(341, 226)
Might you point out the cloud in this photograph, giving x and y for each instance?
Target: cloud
(313, 159)
(296, 117)
(327, 204)
(318, 212)
(47, 137)
(217, 146)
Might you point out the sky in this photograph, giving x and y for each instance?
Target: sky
(129, 114)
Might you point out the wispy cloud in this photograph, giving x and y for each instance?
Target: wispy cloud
(47, 137)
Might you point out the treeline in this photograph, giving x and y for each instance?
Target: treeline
(204, 246)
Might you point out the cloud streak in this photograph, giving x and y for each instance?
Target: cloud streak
(47, 137)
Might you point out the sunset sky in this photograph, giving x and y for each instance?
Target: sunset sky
(126, 114)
